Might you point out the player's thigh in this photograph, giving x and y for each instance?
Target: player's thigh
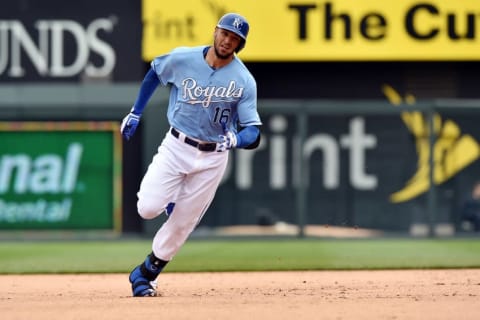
(159, 186)
(199, 189)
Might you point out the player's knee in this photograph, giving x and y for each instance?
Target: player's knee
(151, 206)
(148, 210)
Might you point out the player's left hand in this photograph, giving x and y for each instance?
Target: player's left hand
(227, 141)
(129, 125)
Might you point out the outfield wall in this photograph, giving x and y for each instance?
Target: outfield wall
(365, 164)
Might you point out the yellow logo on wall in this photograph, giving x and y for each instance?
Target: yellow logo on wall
(452, 151)
(169, 24)
(296, 30)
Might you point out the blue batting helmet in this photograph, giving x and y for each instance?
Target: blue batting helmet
(237, 24)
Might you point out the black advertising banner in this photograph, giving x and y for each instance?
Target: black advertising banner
(55, 40)
(370, 171)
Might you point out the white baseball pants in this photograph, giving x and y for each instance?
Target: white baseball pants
(186, 176)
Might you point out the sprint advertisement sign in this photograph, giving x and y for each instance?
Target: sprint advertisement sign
(367, 170)
(62, 175)
(296, 30)
(453, 150)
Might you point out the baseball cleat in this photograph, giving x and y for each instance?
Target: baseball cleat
(141, 286)
(154, 284)
(150, 292)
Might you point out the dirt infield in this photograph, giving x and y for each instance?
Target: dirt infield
(415, 294)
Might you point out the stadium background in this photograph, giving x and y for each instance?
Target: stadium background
(360, 108)
(348, 91)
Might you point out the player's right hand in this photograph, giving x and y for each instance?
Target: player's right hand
(129, 125)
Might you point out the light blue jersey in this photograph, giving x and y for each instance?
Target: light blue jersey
(205, 102)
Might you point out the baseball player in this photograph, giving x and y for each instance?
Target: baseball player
(212, 109)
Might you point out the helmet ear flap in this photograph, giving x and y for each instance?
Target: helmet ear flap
(240, 46)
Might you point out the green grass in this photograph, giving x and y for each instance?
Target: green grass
(241, 255)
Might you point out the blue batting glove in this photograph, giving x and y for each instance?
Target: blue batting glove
(129, 125)
(227, 141)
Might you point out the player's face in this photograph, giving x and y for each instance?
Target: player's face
(225, 43)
